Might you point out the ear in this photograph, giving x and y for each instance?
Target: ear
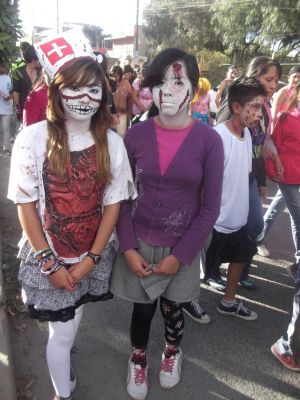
(236, 107)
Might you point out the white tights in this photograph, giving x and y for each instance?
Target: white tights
(61, 338)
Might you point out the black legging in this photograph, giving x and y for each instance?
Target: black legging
(142, 316)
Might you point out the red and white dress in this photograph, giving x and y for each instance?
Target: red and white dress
(70, 210)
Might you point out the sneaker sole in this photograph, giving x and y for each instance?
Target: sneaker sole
(217, 286)
(232, 314)
(278, 356)
(200, 321)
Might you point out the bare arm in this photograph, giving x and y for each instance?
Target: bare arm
(32, 227)
(279, 101)
(219, 94)
(136, 100)
(16, 98)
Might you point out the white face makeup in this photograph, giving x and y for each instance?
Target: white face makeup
(81, 102)
(173, 95)
(251, 113)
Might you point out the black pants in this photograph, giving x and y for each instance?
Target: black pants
(142, 316)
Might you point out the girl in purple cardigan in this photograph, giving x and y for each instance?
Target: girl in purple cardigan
(177, 164)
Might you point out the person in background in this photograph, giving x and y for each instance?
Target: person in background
(122, 99)
(129, 74)
(278, 204)
(286, 138)
(6, 107)
(177, 163)
(282, 96)
(268, 72)
(231, 75)
(141, 96)
(77, 171)
(24, 79)
(230, 240)
(199, 107)
(36, 103)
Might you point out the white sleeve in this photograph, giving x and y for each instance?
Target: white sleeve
(121, 186)
(23, 181)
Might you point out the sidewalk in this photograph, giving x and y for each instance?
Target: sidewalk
(7, 377)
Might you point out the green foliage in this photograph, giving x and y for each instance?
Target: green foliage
(10, 29)
(240, 29)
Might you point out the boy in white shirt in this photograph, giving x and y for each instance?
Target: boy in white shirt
(6, 107)
(230, 241)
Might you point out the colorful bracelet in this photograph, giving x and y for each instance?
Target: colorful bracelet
(40, 254)
(54, 268)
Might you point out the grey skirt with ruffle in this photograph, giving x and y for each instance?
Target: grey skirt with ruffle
(47, 303)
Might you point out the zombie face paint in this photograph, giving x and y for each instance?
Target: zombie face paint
(81, 102)
(172, 96)
(251, 113)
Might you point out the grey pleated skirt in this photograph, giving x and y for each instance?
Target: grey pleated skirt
(182, 287)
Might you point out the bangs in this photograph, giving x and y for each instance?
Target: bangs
(81, 72)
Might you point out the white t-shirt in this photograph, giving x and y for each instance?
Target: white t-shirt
(6, 107)
(26, 175)
(235, 191)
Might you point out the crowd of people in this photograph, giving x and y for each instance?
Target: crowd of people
(126, 186)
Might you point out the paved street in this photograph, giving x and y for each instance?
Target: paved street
(229, 359)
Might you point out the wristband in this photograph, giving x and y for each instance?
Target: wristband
(95, 257)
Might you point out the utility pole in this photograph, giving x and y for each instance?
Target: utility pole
(57, 16)
(136, 33)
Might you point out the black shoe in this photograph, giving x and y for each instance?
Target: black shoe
(294, 272)
(196, 312)
(7, 152)
(237, 310)
(248, 284)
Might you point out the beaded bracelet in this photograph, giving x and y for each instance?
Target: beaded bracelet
(54, 268)
(42, 253)
(44, 261)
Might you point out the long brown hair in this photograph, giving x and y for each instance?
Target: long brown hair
(292, 101)
(82, 72)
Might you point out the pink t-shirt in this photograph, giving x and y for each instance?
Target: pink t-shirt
(168, 143)
(202, 105)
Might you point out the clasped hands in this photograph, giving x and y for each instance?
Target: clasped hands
(140, 267)
(68, 278)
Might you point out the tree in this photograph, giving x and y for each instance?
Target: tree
(95, 35)
(240, 29)
(10, 29)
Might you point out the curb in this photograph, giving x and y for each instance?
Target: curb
(7, 377)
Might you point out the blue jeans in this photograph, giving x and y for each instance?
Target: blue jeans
(290, 341)
(275, 208)
(291, 194)
(255, 221)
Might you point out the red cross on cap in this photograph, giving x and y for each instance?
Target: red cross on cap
(56, 49)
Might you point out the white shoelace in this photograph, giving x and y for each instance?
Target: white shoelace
(197, 307)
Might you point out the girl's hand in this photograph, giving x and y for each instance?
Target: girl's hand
(279, 170)
(137, 264)
(263, 190)
(168, 266)
(62, 279)
(79, 270)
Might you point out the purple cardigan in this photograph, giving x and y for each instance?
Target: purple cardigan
(177, 209)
